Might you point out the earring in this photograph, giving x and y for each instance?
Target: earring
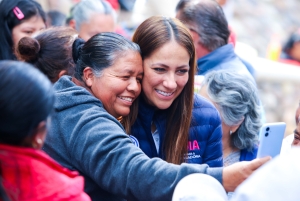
(39, 141)
(230, 132)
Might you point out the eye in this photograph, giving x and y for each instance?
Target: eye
(28, 32)
(182, 71)
(139, 80)
(159, 69)
(125, 77)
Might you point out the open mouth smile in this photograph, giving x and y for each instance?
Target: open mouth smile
(164, 93)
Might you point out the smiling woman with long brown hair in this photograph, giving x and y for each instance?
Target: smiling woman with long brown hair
(172, 122)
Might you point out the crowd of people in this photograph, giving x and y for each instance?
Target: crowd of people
(88, 112)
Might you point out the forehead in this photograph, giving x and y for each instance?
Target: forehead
(102, 22)
(129, 61)
(171, 51)
(34, 21)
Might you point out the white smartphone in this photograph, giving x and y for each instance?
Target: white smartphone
(270, 139)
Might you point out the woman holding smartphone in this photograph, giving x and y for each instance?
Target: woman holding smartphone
(236, 98)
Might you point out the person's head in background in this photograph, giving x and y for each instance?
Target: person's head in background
(26, 105)
(206, 22)
(91, 17)
(56, 18)
(50, 51)
(18, 18)
(296, 141)
(236, 98)
(110, 67)
(291, 49)
(168, 84)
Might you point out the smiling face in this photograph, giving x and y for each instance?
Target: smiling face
(119, 85)
(27, 28)
(165, 74)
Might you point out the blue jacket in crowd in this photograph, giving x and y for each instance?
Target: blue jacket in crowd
(223, 58)
(205, 135)
(248, 155)
(83, 136)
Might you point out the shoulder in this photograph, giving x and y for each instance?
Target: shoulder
(205, 111)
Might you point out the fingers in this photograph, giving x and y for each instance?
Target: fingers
(256, 163)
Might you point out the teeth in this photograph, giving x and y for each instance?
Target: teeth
(164, 93)
(126, 98)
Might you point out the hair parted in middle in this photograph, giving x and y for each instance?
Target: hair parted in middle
(151, 35)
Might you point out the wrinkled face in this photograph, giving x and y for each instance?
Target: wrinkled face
(98, 23)
(120, 84)
(27, 28)
(165, 74)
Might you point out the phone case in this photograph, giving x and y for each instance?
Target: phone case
(270, 139)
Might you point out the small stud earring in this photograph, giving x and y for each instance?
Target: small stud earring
(39, 141)
(230, 132)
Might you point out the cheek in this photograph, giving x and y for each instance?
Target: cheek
(149, 80)
(182, 81)
(16, 36)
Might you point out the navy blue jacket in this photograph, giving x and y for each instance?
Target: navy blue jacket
(223, 58)
(205, 136)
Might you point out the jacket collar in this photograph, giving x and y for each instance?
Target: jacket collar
(216, 57)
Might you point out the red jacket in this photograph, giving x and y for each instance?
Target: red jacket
(29, 174)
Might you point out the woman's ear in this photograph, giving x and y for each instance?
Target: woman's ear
(61, 73)
(88, 76)
(38, 138)
(72, 23)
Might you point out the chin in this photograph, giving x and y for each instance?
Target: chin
(124, 113)
(163, 106)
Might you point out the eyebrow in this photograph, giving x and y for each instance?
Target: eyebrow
(160, 64)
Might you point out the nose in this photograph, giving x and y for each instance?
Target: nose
(134, 86)
(170, 81)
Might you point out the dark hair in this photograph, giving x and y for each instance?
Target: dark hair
(100, 52)
(56, 18)
(152, 34)
(293, 38)
(208, 18)
(8, 21)
(26, 99)
(50, 51)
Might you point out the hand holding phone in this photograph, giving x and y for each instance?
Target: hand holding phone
(270, 139)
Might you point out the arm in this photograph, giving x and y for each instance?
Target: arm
(104, 152)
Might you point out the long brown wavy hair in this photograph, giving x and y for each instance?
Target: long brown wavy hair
(152, 34)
